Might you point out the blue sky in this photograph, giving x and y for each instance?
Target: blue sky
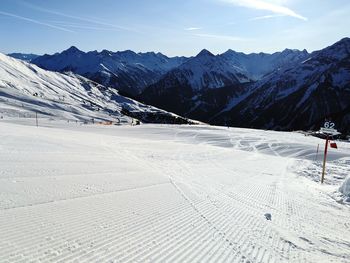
(173, 27)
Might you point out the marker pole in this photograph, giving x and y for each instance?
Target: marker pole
(36, 119)
(324, 159)
(318, 147)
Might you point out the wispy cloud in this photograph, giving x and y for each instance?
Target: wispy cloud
(35, 21)
(192, 28)
(222, 37)
(83, 26)
(265, 17)
(265, 5)
(89, 20)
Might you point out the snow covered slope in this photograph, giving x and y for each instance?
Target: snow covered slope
(27, 88)
(126, 71)
(152, 193)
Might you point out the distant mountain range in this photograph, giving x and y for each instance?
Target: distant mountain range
(203, 85)
(127, 71)
(289, 90)
(299, 96)
(286, 90)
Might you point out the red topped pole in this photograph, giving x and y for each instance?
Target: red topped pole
(324, 159)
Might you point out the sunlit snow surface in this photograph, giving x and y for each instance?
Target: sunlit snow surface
(90, 193)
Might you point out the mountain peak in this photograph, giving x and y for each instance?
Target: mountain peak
(106, 52)
(289, 51)
(127, 52)
(230, 51)
(339, 50)
(345, 39)
(73, 49)
(205, 53)
(343, 42)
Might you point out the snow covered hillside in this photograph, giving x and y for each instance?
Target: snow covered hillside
(168, 194)
(26, 89)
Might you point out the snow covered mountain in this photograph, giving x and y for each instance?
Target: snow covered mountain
(300, 96)
(197, 86)
(286, 90)
(206, 71)
(26, 88)
(126, 71)
(257, 65)
(22, 56)
(203, 85)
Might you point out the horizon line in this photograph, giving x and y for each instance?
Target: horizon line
(164, 53)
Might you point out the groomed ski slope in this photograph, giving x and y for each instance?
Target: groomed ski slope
(152, 193)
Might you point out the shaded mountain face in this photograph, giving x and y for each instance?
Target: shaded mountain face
(197, 87)
(202, 86)
(126, 71)
(24, 57)
(28, 89)
(301, 96)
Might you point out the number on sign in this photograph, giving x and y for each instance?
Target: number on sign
(329, 125)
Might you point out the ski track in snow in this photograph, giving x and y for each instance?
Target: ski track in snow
(158, 193)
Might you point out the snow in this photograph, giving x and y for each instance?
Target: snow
(159, 193)
(207, 71)
(345, 187)
(307, 94)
